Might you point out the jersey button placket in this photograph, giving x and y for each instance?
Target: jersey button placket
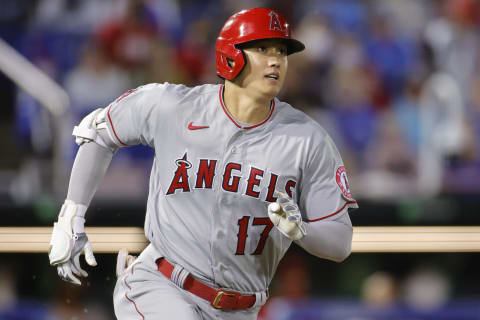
(218, 236)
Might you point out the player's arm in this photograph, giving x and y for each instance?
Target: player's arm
(319, 223)
(129, 120)
(69, 240)
(331, 239)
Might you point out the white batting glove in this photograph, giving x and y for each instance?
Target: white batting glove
(286, 217)
(69, 241)
(124, 260)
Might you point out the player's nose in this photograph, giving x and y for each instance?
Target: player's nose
(273, 61)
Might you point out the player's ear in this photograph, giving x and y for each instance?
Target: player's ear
(230, 63)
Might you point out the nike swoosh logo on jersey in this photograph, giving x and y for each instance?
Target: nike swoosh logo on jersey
(192, 127)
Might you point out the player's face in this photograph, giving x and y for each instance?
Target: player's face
(266, 67)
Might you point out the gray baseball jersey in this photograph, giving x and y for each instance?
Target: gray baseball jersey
(213, 178)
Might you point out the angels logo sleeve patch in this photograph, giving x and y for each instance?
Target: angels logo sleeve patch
(342, 182)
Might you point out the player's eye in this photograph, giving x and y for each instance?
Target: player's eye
(262, 49)
(282, 51)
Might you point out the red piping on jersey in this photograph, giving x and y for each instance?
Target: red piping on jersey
(135, 305)
(113, 128)
(272, 107)
(131, 300)
(336, 212)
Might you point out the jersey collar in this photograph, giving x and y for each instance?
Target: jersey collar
(222, 103)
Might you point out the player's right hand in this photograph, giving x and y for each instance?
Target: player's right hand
(285, 216)
(69, 241)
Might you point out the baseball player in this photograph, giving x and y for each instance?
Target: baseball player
(237, 176)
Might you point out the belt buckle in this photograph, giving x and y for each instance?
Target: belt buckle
(219, 296)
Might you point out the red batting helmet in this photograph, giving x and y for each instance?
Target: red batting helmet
(246, 26)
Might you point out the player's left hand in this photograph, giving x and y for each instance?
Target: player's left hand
(285, 216)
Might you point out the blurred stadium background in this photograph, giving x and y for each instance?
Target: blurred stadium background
(395, 82)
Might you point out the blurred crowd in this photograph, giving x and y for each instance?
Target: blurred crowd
(394, 82)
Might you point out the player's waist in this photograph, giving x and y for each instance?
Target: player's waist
(218, 298)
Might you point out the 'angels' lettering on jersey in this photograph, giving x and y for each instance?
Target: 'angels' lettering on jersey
(231, 175)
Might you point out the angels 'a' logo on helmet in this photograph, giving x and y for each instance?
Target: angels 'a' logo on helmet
(274, 22)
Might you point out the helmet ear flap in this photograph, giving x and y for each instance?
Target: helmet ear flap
(223, 56)
(240, 62)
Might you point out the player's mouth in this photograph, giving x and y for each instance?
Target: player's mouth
(275, 76)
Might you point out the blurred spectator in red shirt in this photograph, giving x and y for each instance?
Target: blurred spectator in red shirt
(128, 41)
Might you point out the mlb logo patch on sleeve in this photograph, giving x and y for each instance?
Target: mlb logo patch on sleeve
(342, 182)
